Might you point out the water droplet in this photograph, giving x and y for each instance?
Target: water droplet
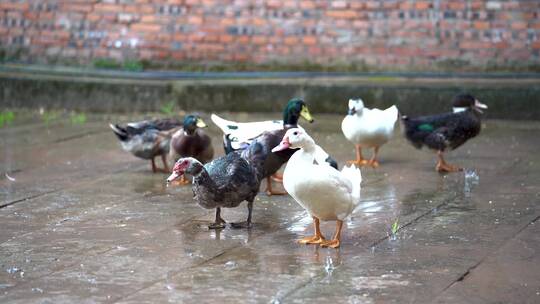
(231, 265)
(329, 265)
(12, 270)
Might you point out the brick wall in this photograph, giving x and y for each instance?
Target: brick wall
(383, 33)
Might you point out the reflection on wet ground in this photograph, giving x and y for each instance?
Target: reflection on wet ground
(82, 221)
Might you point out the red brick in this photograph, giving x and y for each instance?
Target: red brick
(519, 25)
(226, 38)
(108, 8)
(346, 14)
(77, 7)
(309, 40)
(423, 5)
(307, 4)
(259, 39)
(481, 25)
(146, 27)
(19, 6)
(290, 40)
(339, 4)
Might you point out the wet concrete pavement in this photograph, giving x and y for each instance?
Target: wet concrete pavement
(83, 222)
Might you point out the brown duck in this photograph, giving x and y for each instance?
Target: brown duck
(191, 141)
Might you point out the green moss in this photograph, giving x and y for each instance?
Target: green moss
(106, 63)
(6, 118)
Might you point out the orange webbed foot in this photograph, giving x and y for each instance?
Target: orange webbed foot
(311, 240)
(331, 243)
(443, 167)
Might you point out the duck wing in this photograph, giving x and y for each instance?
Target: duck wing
(232, 173)
(259, 153)
(418, 128)
(240, 134)
(158, 124)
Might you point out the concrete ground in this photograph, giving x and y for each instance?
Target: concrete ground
(81, 221)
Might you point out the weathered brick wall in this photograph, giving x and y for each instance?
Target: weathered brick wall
(382, 33)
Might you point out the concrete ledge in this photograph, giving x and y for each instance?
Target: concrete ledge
(510, 96)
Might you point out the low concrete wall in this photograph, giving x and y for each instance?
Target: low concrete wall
(507, 98)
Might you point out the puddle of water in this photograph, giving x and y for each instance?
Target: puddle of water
(378, 282)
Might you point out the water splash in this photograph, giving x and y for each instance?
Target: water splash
(471, 180)
(230, 265)
(13, 270)
(329, 266)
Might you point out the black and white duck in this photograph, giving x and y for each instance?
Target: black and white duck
(255, 140)
(446, 131)
(224, 182)
(191, 141)
(148, 139)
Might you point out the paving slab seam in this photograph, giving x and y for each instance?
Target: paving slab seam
(28, 198)
(67, 266)
(413, 221)
(77, 136)
(374, 244)
(72, 186)
(152, 283)
(223, 252)
(464, 276)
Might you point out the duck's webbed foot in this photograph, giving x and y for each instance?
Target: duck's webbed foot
(443, 166)
(316, 239)
(241, 225)
(373, 163)
(219, 223)
(335, 241)
(360, 161)
(269, 191)
(247, 223)
(331, 243)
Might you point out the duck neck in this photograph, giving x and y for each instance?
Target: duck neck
(189, 131)
(307, 152)
(290, 119)
(203, 179)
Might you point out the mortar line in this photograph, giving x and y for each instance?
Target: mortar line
(225, 251)
(465, 274)
(413, 221)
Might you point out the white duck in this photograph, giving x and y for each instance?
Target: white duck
(326, 193)
(368, 128)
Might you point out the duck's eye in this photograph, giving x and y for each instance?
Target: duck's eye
(295, 133)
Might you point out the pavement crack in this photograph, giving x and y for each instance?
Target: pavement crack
(27, 198)
(469, 270)
(77, 136)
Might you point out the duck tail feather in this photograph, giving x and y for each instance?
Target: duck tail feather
(354, 175)
(120, 132)
(225, 125)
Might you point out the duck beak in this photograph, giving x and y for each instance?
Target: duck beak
(306, 115)
(173, 176)
(283, 145)
(200, 123)
(479, 106)
(351, 111)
